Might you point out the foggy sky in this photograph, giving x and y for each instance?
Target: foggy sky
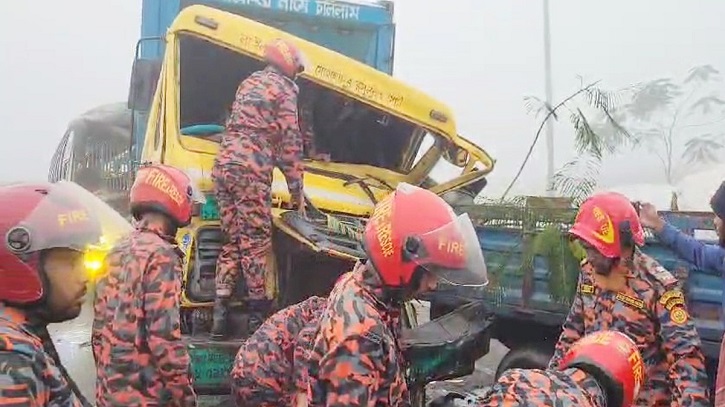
(479, 56)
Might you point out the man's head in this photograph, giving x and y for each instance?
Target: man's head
(163, 194)
(414, 239)
(47, 231)
(285, 57)
(608, 227)
(67, 277)
(717, 203)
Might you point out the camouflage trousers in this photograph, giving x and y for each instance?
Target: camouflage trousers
(261, 375)
(539, 388)
(246, 221)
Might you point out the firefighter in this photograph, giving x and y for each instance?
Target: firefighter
(136, 338)
(623, 289)
(356, 358)
(603, 369)
(269, 367)
(262, 132)
(46, 228)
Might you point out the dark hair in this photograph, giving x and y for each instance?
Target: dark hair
(717, 203)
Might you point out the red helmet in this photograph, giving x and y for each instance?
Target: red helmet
(285, 56)
(164, 189)
(413, 227)
(41, 216)
(606, 221)
(614, 360)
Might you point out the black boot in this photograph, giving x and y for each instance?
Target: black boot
(219, 324)
(255, 321)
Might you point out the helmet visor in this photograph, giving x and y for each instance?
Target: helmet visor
(453, 254)
(68, 216)
(194, 192)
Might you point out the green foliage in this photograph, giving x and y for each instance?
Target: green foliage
(563, 266)
(597, 133)
(577, 179)
(543, 223)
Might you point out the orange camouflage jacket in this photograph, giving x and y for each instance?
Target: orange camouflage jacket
(356, 358)
(263, 130)
(651, 309)
(136, 337)
(30, 370)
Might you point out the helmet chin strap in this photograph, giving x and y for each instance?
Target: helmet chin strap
(396, 296)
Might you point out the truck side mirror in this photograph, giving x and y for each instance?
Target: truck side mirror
(144, 78)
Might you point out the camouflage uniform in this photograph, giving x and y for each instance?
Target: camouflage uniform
(140, 358)
(261, 133)
(356, 358)
(30, 371)
(651, 310)
(539, 388)
(263, 373)
(303, 347)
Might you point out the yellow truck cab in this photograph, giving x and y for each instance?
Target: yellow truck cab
(378, 131)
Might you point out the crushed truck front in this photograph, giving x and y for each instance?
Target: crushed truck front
(378, 131)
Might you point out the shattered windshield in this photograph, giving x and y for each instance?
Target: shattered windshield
(443, 170)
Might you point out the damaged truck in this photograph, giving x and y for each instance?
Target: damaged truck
(378, 131)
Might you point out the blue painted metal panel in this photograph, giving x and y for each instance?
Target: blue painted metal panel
(361, 31)
(156, 17)
(335, 10)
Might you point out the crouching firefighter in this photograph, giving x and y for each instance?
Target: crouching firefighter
(356, 358)
(261, 133)
(46, 231)
(140, 358)
(604, 369)
(269, 370)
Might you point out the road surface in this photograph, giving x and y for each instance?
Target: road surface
(72, 340)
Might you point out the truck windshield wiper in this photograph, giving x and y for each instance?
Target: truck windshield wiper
(361, 180)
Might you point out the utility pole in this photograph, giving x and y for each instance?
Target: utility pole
(549, 102)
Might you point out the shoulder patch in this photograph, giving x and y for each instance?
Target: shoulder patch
(679, 316)
(673, 302)
(672, 299)
(586, 288)
(663, 276)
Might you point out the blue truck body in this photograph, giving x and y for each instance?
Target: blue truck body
(529, 316)
(362, 30)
